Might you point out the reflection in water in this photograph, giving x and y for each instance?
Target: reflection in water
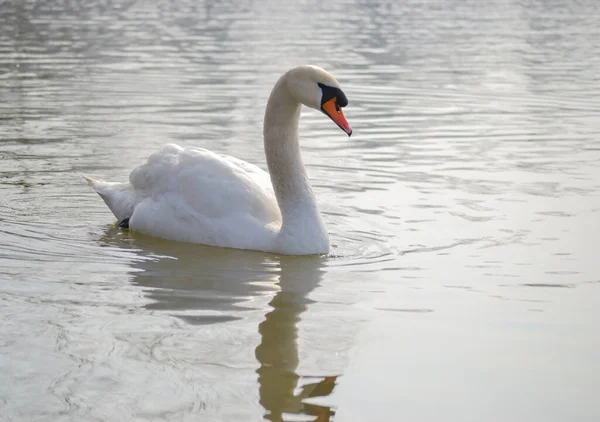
(206, 285)
(278, 350)
(197, 283)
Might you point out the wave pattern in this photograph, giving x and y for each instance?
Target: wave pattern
(473, 168)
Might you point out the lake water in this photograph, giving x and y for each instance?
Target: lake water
(464, 282)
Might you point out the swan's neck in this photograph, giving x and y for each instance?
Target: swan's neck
(302, 221)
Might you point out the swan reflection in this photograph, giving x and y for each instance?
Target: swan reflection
(278, 351)
(205, 285)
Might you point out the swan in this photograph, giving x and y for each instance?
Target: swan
(198, 196)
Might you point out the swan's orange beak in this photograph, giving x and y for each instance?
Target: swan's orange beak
(335, 113)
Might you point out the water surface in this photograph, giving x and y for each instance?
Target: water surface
(464, 279)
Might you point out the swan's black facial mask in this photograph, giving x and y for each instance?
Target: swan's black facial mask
(332, 101)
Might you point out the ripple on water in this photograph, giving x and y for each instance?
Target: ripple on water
(472, 173)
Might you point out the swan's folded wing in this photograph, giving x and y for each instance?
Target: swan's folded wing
(210, 187)
(218, 185)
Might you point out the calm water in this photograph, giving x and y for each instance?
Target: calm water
(464, 283)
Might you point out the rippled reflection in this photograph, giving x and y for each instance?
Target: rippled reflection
(277, 352)
(206, 285)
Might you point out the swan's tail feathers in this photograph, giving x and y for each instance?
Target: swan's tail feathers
(91, 181)
(119, 197)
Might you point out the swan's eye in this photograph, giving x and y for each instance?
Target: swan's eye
(329, 92)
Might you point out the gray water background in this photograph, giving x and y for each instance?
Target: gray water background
(464, 279)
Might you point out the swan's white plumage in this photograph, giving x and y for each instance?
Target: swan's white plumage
(195, 195)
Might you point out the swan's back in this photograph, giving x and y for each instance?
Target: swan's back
(196, 195)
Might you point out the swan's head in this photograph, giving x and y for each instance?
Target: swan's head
(316, 88)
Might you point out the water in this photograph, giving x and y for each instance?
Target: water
(464, 280)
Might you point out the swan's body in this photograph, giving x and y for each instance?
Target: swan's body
(195, 195)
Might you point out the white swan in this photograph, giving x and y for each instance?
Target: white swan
(195, 195)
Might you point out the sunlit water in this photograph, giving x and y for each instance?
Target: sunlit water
(464, 281)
